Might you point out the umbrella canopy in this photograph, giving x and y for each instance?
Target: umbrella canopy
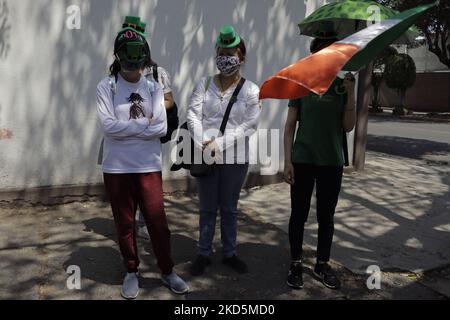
(347, 17)
(317, 72)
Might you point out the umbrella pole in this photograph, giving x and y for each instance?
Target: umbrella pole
(362, 117)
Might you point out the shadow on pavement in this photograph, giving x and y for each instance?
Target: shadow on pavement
(406, 147)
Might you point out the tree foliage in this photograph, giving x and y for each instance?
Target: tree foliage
(378, 73)
(434, 24)
(400, 74)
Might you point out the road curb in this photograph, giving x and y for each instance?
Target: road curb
(409, 118)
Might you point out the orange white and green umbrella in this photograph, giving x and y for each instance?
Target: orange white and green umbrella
(317, 72)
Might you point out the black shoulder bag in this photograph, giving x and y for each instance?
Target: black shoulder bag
(172, 113)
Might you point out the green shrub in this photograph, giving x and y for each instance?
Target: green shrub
(400, 75)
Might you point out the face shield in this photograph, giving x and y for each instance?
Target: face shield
(132, 56)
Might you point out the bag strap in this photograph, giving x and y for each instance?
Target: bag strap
(100, 152)
(151, 86)
(230, 105)
(208, 83)
(344, 140)
(112, 84)
(345, 147)
(155, 72)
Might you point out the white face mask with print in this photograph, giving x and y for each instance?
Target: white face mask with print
(228, 65)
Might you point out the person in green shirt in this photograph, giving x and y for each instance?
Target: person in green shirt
(317, 158)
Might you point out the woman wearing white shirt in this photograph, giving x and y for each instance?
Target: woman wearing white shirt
(206, 109)
(133, 118)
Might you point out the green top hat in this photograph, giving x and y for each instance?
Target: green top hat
(134, 23)
(228, 38)
(131, 21)
(142, 26)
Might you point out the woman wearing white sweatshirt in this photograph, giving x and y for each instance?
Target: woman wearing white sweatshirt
(132, 115)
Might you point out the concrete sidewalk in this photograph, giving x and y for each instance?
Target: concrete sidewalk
(395, 215)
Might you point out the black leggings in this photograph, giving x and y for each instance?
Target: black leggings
(328, 185)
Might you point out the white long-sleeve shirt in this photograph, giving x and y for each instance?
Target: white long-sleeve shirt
(131, 145)
(205, 114)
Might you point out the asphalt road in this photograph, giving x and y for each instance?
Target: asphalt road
(412, 139)
(437, 132)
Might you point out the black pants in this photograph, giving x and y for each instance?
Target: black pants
(328, 185)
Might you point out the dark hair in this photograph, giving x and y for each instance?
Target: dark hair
(114, 68)
(242, 50)
(318, 44)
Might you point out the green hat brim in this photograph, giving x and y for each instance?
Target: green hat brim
(234, 44)
(144, 34)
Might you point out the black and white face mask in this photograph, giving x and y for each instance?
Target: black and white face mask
(228, 65)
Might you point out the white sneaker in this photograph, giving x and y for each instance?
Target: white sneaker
(130, 286)
(175, 283)
(143, 233)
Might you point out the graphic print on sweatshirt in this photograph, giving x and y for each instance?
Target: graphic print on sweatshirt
(136, 109)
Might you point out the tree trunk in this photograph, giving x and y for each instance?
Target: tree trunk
(362, 117)
(443, 53)
(375, 100)
(402, 98)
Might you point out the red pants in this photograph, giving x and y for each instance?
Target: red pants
(126, 192)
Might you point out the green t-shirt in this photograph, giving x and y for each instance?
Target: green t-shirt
(319, 138)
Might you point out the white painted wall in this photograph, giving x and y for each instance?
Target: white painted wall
(49, 73)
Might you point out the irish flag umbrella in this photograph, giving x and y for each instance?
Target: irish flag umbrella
(349, 16)
(317, 72)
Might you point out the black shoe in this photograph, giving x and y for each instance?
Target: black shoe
(236, 264)
(199, 265)
(295, 276)
(324, 273)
